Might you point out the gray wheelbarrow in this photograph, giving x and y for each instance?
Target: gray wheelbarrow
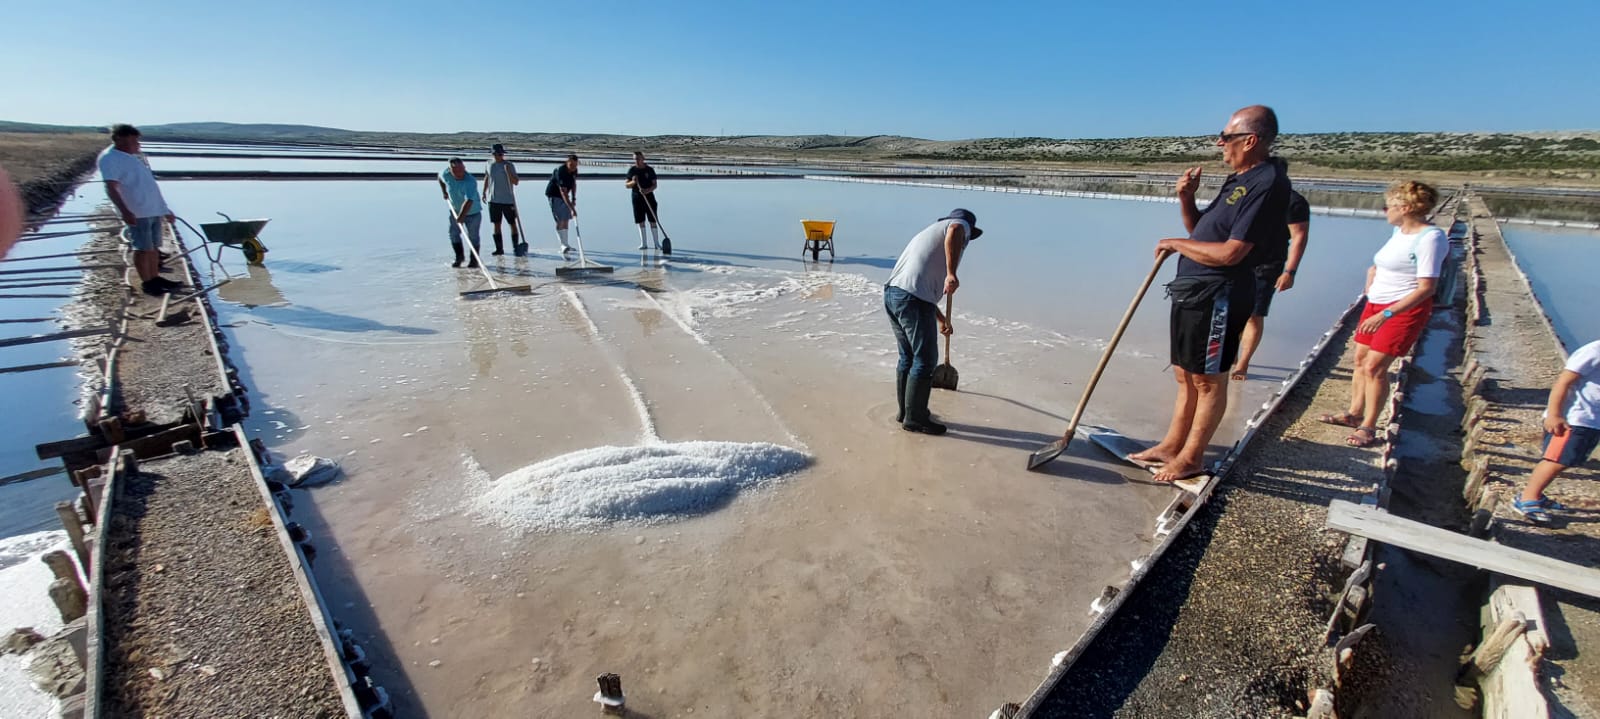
(241, 234)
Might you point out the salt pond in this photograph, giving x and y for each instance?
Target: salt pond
(862, 567)
(1557, 264)
(893, 570)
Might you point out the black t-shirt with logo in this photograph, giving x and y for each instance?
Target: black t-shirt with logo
(562, 177)
(1252, 207)
(645, 178)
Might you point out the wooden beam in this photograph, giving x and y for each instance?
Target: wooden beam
(31, 474)
(67, 335)
(93, 443)
(80, 253)
(1381, 526)
(73, 268)
(42, 365)
(26, 320)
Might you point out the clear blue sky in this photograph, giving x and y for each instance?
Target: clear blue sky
(929, 69)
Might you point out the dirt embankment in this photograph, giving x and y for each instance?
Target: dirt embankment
(45, 164)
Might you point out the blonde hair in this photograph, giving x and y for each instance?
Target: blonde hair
(1415, 196)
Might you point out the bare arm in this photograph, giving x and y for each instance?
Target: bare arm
(1299, 232)
(1210, 254)
(1555, 421)
(1372, 272)
(444, 190)
(511, 174)
(114, 191)
(1422, 293)
(1188, 182)
(955, 244)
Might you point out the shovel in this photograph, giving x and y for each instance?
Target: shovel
(946, 376)
(1044, 454)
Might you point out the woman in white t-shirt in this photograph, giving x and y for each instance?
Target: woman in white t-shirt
(1400, 286)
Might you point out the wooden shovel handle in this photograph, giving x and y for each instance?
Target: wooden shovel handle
(947, 299)
(1111, 347)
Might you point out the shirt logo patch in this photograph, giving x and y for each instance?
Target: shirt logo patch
(1237, 193)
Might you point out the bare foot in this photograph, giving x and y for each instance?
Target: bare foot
(1158, 454)
(1176, 469)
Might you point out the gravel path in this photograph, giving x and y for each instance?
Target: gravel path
(1230, 622)
(1524, 359)
(202, 614)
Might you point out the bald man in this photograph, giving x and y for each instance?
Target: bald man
(1214, 291)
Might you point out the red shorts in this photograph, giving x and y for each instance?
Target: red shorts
(1398, 333)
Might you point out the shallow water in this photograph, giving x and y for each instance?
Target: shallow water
(51, 394)
(355, 346)
(1557, 263)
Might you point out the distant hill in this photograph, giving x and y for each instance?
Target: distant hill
(9, 126)
(1574, 154)
(254, 131)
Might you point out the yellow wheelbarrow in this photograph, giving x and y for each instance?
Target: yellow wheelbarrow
(819, 237)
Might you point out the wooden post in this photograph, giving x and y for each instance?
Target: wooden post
(66, 591)
(111, 429)
(1476, 477)
(91, 494)
(610, 695)
(74, 527)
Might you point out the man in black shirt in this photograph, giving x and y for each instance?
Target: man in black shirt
(1213, 292)
(1275, 274)
(562, 191)
(642, 178)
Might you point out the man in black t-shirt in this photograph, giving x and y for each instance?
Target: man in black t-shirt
(642, 178)
(1213, 292)
(562, 192)
(1275, 274)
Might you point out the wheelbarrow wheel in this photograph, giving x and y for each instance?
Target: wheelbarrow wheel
(253, 250)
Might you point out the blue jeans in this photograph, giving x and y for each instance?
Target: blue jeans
(473, 222)
(916, 329)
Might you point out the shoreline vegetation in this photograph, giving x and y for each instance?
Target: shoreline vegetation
(1549, 159)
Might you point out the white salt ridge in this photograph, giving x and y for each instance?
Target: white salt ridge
(593, 488)
(688, 328)
(647, 426)
(23, 582)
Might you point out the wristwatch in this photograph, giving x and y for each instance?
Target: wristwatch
(1289, 272)
(1388, 314)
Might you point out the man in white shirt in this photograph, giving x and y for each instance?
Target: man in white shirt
(132, 188)
(1570, 436)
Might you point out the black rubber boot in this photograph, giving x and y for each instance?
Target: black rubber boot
(457, 247)
(499, 249)
(900, 395)
(917, 417)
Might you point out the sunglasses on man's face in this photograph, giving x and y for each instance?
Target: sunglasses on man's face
(1226, 137)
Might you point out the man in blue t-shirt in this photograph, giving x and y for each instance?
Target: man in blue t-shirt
(466, 208)
(1213, 293)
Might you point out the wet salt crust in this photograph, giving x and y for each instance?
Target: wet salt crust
(591, 488)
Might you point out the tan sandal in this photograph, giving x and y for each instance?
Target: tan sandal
(1363, 437)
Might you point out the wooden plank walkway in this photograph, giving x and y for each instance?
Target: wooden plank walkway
(1378, 525)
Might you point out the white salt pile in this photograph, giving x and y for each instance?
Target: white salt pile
(595, 487)
(24, 581)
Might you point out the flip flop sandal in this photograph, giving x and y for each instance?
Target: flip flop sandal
(1362, 437)
(1342, 419)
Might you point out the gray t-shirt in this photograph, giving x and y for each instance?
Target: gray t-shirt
(499, 183)
(921, 268)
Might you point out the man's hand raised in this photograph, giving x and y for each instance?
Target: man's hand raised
(1189, 181)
